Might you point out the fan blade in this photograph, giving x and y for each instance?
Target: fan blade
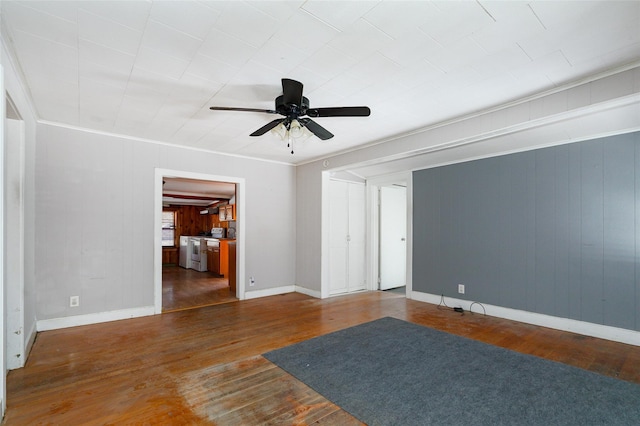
(264, 129)
(268, 111)
(315, 128)
(358, 111)
(292, 92)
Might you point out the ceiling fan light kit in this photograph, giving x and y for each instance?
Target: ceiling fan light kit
(290, 132)
(295, 107)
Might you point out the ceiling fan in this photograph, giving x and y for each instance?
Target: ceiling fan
(295, 109)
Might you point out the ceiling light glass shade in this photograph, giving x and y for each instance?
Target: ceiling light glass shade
(296, 132)
(281, 131)
(296, 129)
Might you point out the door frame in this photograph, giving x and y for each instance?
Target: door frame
(14, 153)
(157, 230)
(373, 226)
(3, 340)
(392, 207)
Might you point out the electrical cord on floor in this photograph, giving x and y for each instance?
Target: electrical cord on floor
(442, 302)
(481, 305)
(443, 305)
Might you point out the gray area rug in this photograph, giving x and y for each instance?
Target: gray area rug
(391, 372)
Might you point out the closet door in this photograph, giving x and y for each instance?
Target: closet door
(338, 231)
(356, 238)
(346, 237)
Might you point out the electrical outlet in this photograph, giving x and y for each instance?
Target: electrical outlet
(252, 281)
(74, 301)
(461, 288)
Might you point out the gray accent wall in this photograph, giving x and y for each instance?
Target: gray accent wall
(553, 231)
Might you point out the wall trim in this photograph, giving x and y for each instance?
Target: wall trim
(313, 293)
(96, 318)
(157, 142)
(490, 110)
(615, 334)
(269, 292)
(30, 339)
(281, 290)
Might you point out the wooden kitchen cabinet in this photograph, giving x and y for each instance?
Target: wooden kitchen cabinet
(224, 256)
(213, 260)
(226, 213)
(232, 267)
(169, 256)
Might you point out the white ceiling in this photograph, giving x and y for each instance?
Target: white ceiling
(151, 69)
(192, 192)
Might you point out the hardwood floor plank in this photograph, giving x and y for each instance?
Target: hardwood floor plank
(187, 289)
(204, 366)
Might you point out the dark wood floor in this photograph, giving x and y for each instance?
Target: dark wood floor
(186, 289)
(204, 366)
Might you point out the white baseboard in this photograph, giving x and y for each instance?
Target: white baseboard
(281, 290)
(615, 334)
(30, 339)
(312, 293)
(74, 321)
(269, 292)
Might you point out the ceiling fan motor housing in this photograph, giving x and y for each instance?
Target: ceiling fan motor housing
(291, 110)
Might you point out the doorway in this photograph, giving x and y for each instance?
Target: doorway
(393, 238)
(195, 229)
(189, 207)
(389, 230)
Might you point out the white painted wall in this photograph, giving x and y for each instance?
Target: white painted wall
(95, 219)
(308, 227)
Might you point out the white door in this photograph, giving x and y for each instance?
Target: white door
(14, 238)
(338, 233)
(393, 237)
(357, 232)
(346, 237)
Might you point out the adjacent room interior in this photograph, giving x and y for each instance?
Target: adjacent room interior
(193, 191)
(198, 223)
